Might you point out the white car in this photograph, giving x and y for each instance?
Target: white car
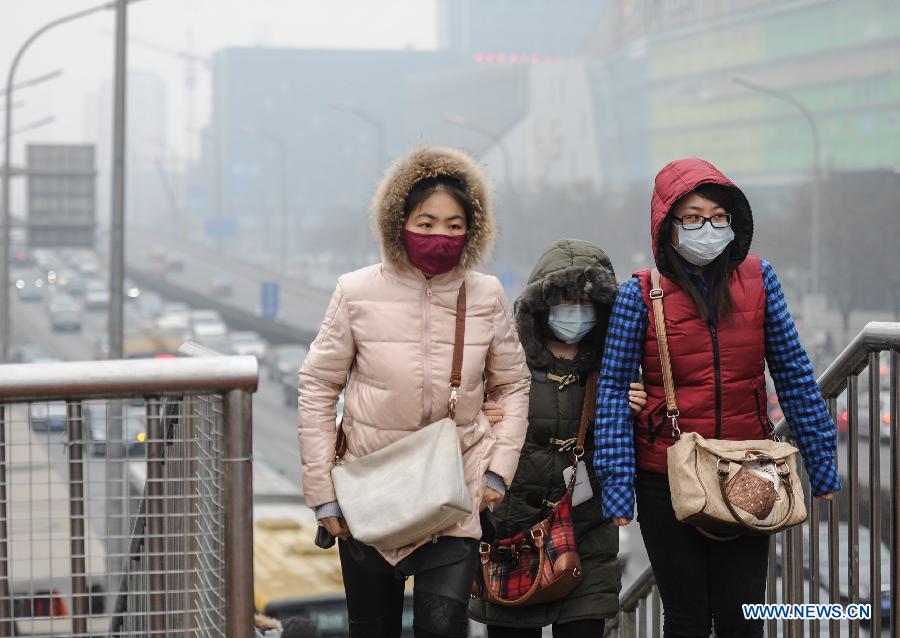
(248, 342)
(206, 324)
(96, 296)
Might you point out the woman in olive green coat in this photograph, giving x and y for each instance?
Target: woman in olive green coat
(561, 318)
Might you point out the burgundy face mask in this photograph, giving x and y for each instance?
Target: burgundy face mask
(433, 254)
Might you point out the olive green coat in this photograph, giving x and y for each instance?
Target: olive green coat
(568, 269)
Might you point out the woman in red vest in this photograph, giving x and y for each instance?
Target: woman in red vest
(726, 319)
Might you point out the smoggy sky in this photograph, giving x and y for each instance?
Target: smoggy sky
(83, 50)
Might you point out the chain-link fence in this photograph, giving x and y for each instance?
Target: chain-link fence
(125, 498)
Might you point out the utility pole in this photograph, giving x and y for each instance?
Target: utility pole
(117, 222)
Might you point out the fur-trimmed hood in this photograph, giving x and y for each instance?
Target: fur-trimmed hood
(431, 161)
(569, 268)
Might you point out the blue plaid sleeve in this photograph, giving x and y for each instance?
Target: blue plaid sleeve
(798, 393)
(614, 460)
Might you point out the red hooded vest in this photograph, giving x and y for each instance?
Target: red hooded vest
(719, 371)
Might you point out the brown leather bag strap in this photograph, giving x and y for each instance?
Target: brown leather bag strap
(588, 412)
(659, 319)
(460, 338)
(495, 596)
(459, 343)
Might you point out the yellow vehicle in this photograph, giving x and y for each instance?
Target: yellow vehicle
(291, 575)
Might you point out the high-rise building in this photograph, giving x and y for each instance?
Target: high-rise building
(146, 199)
(520, 28)
(306, 130)
(723, 80)
(61, 201)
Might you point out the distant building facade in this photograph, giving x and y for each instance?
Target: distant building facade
(665, 85)
(61, 195)
(328, 120)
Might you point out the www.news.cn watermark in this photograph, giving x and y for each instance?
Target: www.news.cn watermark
(807, 612)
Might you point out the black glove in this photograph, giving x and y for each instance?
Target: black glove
(324, 539)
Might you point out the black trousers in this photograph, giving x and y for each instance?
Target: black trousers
(577, 629)
(443, 581)
(701, 581)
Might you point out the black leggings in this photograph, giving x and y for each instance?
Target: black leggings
(577, 629)
(700, 581)
(375, 590)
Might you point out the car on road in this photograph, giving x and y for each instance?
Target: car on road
(207, 323)
(175, 319)
(49, 416)
(30, 353)
(71, 282)
(134, 431)
(248, 342)
(65, 314)
(174, 263)
(221, 287)
(96, 295)
(30, 288)
(285, 359)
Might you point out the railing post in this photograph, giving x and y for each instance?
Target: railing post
(156, 546)
(853, 495)
(5, 606)
(875, 486)
(76, 517)
(895, 493)
(834, 625)
(238, 465)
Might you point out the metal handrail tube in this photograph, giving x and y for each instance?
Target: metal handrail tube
(123, 378)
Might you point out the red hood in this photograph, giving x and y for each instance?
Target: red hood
(680, 177)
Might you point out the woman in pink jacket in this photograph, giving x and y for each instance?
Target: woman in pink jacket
(387, 342)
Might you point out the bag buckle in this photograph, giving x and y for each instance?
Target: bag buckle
(454, 400)
(673, 415)
(720, 471)
(656, 293)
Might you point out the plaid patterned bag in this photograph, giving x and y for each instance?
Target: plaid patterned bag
(541, 564)
(535, 566)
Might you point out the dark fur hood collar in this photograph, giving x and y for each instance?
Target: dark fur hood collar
(569, 268)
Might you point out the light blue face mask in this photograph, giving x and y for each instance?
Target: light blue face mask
(570, 322)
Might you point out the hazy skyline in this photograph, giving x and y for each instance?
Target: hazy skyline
(83, 49)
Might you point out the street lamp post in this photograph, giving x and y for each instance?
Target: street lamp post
(816, 212)
(463, 122)
(32, 126)
(7, 171)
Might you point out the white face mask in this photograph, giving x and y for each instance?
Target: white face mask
(571, 322)
(701, 247)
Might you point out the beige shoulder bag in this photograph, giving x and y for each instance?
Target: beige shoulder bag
(414, 487)
(726, 487)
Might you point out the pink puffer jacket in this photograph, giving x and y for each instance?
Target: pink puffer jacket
(387, 342)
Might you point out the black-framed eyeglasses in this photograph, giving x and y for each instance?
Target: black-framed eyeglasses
(695, 222)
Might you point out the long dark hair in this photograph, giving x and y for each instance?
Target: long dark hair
(424, 188)
(718, 305)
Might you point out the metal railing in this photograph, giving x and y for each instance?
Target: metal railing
(847, 550)
(126, 498)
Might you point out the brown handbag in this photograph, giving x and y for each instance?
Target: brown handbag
(540, 564)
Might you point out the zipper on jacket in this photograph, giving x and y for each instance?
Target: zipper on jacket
(426, 349)
(760, 410)
(714, 334)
